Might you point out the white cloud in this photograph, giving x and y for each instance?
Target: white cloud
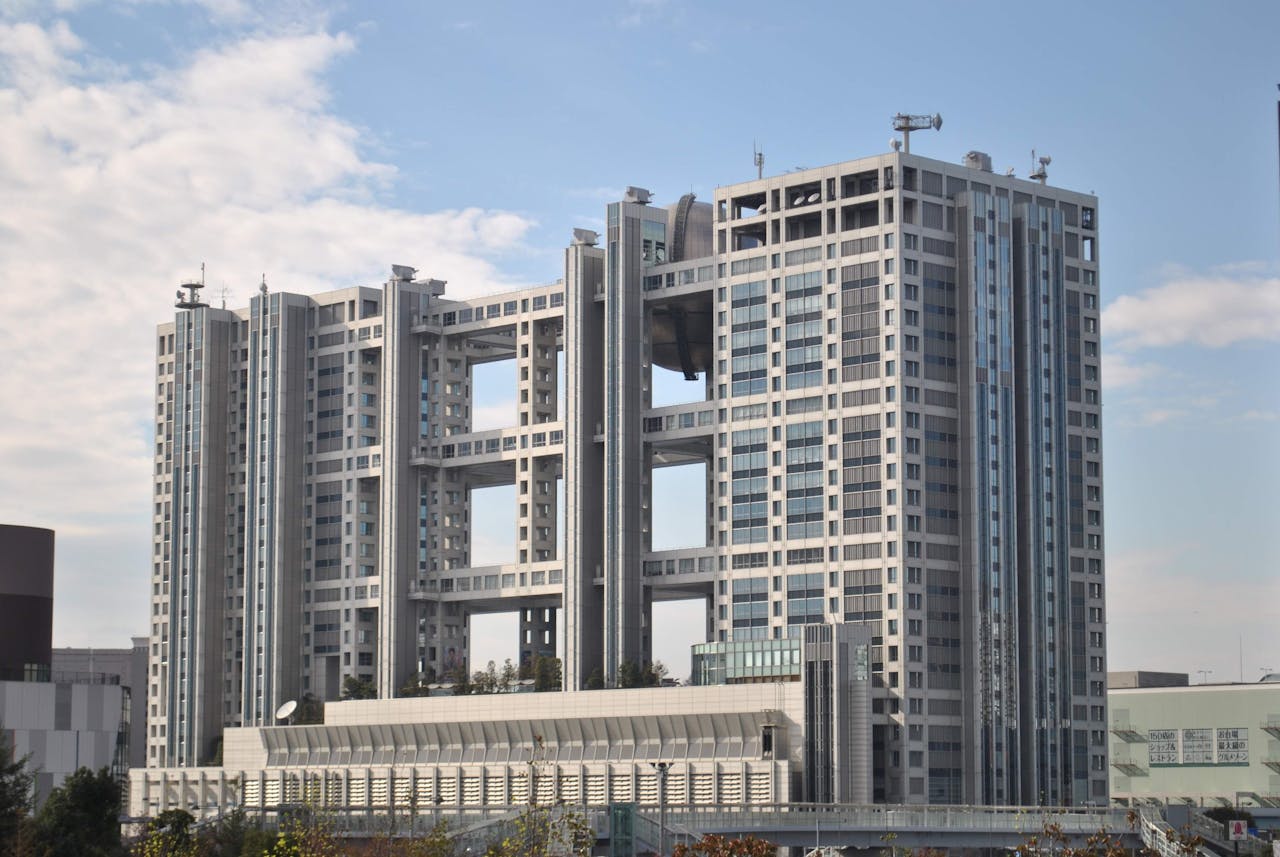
(1221, 308)
(1119, 371)
(1156, 416)
(117, 188)
(1256, 416)
(1217, 613)
(645, 12)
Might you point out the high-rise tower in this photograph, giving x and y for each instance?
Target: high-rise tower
(899, 424)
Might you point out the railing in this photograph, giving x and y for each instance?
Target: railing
(494, 578)
(888, 818)
(694, 418)
(683, 823)
(1159, 836)
(492, 442)
(41, 674)
(464, 314)
(679, 565)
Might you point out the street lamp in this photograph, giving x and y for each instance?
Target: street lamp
(661, 768)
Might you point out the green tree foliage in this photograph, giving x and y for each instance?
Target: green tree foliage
(15, 795)
(416, 685)
(309, 711)
(358, 688)
(595, 681)
(81, 818)
(461, 681)
(306, 835)
(630, 675)
(713, 845)
(547, 674)
(650, 675)
(169, 834)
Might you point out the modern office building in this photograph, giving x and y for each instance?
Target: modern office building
(1205, 744)
(130, 666)
(896, 371)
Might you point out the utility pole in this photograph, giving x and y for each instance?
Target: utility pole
(661, 768)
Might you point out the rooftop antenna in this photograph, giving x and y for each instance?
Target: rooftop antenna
(191, 299)
(223, 294)
(1039, 171)
(263, 288)
(908, 122)
(757, 159)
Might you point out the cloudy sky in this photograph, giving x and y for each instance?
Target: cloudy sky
(318, 143)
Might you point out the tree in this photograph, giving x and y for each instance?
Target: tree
(434, 843)
(541, 831)
(653, 674)
(234, 835)
(508, 677)
(485, 680)
(595, 681)
(81, 818)
(305, 834)
(169, 835)
(630, 675)
(310, 711)
(461, 681)
(15, 794)
(358, 688)
(417, 683)
(714, 845)
(546, 674)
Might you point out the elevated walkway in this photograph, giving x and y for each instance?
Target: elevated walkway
(838, 828)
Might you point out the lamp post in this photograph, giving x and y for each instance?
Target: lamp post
(661, 768)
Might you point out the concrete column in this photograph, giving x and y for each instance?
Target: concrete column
(583, 460)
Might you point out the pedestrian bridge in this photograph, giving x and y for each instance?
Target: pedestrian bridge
(831, 827)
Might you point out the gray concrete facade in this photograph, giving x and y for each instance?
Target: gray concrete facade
(897, 362)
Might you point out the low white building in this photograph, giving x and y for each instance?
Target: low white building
(804, 732)
(1208, 744)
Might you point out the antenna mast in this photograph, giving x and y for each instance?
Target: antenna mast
(758, 159)
(908, 122)
(191, 298)
(1038, 167)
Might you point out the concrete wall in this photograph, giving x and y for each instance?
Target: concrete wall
(61, 727)
(1154, 757)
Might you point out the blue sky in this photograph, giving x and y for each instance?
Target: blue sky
(321, 142)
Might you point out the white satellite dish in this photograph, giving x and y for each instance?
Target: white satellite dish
(814, 197)
(797, 200)
(283, 712)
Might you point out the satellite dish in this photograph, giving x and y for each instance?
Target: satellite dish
(762, 210)
(283, 712)
(814, 197)
(797, 200)
(937, 122)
